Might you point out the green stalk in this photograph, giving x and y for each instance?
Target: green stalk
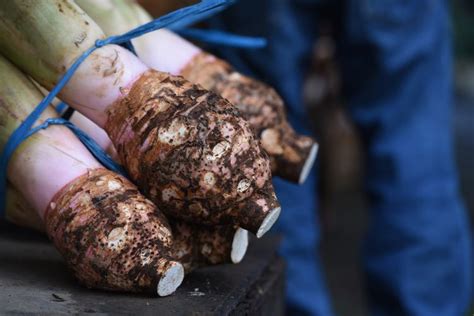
(114, 16)
(44, 38)
(42, 42)
(162, 50)
(17, 97)
(48, 159)
(19, 212)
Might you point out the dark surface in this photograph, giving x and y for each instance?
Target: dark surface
(34, 280)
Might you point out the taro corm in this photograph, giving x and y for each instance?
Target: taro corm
(186, 148)
(193, 246)
(110, 235)
(292, 155)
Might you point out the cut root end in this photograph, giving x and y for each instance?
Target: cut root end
(269, 221)
(308, 163)
(239, 245)
(171, 280)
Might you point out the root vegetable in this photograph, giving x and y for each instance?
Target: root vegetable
(110, 235)
(196, 246)
(193, 246)
(189, 150)
(184, 146)
(292, 155)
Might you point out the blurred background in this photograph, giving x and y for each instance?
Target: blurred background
(344, 215)
(343, 206)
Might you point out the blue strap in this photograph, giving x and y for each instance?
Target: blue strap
(205, 7)
(222, 38)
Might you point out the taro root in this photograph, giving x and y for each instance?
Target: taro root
(186, 148)
(86, 209)
(196, 246)
(292, 155)
(111, 236)
(193, 246)
(192, 154)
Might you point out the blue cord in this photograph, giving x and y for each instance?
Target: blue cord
(222, 38)
(204, 8)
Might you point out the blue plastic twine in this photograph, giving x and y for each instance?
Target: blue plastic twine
(222, 38)
(190, 13)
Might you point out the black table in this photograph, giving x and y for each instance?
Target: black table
(34, 280)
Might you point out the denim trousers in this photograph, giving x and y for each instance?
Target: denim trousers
(396, 64)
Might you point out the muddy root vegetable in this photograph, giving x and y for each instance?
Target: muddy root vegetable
(292, 155)
(111, 236)
(143, 112)
(84, 207)
(192, 154)
(195, 246)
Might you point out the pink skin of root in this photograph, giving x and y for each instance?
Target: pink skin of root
(42, 169)
(58, 157)
(165, 51)
(105, 76)
(102, 79)
(91, 129)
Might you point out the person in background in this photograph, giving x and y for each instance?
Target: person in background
(396, 63)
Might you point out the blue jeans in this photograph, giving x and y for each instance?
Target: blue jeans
(396, 66)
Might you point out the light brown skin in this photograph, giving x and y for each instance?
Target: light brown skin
(99, 90)
(193, 245)
(190, 152)
(110, 235)
(261, 106)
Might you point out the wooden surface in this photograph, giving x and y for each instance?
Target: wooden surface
(34, 280)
